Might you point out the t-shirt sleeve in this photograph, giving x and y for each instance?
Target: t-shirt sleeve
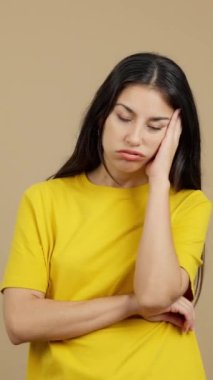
(27, 265)
(190, 225)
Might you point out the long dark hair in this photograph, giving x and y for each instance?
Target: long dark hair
(164, 75)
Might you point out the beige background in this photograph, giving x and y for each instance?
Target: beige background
(54, 55)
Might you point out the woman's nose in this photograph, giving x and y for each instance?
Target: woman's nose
(134, 136)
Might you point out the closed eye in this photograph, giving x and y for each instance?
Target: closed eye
(154, 128)
(123, 118)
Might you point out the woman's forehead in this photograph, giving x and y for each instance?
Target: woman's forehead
(142, 98)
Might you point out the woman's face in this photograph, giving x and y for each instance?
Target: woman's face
(134, 129)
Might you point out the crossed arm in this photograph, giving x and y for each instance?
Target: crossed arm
(29, 316)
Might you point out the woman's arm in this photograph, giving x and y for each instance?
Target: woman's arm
(30, 317)
(159, 280)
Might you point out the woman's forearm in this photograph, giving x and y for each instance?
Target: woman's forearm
(30, 319)
(157, 273)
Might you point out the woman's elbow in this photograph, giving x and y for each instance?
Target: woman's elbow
(15, 330)
(154, 304)
(17, 315)
(14, 339)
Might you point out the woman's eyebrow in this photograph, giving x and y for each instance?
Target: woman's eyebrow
(126, 107)
(157, 118)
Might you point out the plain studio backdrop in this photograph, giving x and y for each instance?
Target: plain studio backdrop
(54, 55)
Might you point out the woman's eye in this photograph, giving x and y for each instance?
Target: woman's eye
(123, 118)
(154, 128)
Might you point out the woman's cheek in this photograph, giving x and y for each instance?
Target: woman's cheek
(158, 141)
(155, 148)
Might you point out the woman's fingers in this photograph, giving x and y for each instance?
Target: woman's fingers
(181, 314)
(178, 130)
(189, 313)
(185, 308)
(161, 164)
(174, 319)
(174, 130)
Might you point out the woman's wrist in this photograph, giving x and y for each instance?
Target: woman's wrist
(159, 184)
(132, 305)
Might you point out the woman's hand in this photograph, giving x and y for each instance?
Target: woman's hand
(160, 165)
(181, 314)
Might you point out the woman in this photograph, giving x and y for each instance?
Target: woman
(104, 257)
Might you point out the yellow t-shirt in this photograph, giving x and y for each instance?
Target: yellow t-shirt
(75, 240)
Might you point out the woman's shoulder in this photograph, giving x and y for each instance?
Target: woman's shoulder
(52, 187)
(188, 199)
(190, 196)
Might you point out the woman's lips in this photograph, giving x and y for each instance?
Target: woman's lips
(131, 155)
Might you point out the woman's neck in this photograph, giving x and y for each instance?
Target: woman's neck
(100, 176)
